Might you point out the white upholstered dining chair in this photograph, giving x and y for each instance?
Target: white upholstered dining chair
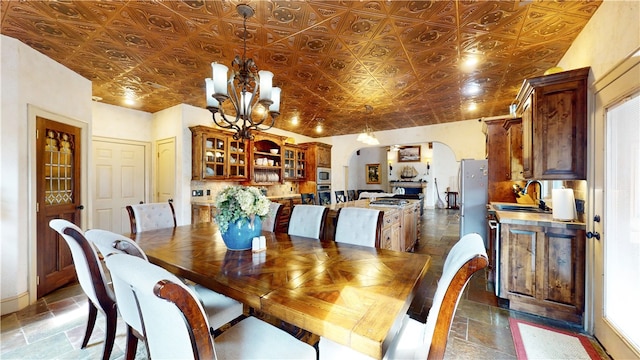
(93, 282)
(144, 217)
(219, 308)
(270, 221)
(417, 340)
(359, 226)
(307, 221)
(176, 325)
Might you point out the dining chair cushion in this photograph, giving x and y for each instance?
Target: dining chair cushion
(359, 226)
(269, 222)
(253, 338)
(307, 221)
(417, 340)
(152, 216)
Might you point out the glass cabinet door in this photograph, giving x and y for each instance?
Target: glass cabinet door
(289, 163)
(237, 159)
(301, 164)
(215, 155)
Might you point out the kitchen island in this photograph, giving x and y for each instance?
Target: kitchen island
(400, 224)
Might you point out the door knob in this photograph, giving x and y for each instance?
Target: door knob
(594, 234)
(80, 207)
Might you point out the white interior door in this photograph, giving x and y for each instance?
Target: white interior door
(166, 170)
(615, 226)
(119, 169)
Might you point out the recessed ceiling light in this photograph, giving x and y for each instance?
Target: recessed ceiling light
(129, 101)
(472, 107)
(96, 98)
(472, 89)
(294, 120)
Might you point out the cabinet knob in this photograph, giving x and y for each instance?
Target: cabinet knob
(596, 218)
(80, 207)
(594, 234)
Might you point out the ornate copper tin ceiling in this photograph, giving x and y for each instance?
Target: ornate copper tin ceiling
(330, 58)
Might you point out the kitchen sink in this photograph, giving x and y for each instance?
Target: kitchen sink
(520, 208)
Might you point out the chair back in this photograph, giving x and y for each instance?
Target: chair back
(351, 195)
(307, 221)
(174, 322)
(466, 257)
(109, 243)
(145, 217)
(340, 196)
(270, 221)
(89, 270)
(359, 226)
(308, 199)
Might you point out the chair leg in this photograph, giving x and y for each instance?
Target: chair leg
(112, 317)
(132, 344)
(91, 322)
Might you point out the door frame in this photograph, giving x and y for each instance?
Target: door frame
(32, 216)
(595, 195)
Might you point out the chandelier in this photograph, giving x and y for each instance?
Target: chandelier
(250, 92)
(367, 135)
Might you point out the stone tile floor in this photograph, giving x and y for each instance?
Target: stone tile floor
(54, 326)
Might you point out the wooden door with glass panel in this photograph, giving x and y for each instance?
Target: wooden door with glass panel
(58, 196)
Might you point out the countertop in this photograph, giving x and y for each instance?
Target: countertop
(535, 219)
(211, 202)
(365, 203)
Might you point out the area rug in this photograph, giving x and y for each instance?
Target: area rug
(534, 341)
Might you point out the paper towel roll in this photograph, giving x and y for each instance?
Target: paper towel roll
(564, 205)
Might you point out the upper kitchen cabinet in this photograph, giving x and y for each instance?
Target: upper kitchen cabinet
(216, 155)
(295, 162)
(554, 125)
(267, 159)
(514, 141)
(318, 156)
(499, 161)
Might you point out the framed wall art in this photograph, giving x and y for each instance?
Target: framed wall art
(409, 154)
(372, 173)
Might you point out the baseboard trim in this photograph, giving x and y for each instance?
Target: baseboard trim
(14, 303)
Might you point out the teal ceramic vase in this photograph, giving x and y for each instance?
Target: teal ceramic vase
(240, 234)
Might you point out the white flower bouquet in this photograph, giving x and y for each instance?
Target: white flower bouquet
(239, 203)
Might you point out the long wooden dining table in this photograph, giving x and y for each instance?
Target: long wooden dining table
(353, 295)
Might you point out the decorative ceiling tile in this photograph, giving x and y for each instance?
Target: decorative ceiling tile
(330, 58)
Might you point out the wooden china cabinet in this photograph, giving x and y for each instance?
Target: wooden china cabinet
(266, 159)
(216, 155)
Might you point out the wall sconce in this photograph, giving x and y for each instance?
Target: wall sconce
(428, 165)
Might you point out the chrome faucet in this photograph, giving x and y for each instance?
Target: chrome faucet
(539, 200)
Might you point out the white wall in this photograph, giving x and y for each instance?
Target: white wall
(464, 138)
(31, 84)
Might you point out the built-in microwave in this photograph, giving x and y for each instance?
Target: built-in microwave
(323, 176)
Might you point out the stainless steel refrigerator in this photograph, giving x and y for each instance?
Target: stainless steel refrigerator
(473, 197)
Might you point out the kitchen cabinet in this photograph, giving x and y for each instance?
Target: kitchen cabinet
(201, 213)
(318, 155)
(295, 162)
(542, 270)
(266, 159)
(554, 125)
(514, 142)
(217, 156)
(499, 162)
(390, 234)
(410, 224)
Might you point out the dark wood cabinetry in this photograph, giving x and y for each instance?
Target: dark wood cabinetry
(554, 125)
(287, 204)
(542, 270)
(514, 148)
(318, 155)
(266, 159)
(215, 155)
(499, 161)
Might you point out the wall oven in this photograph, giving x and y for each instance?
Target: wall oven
(323, 176)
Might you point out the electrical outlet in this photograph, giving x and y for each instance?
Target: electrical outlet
(208, 192)
(197, 193)
(580, 206)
